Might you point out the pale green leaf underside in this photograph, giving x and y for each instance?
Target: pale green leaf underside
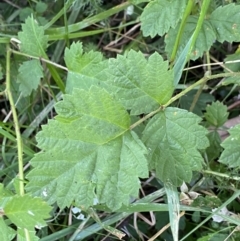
(141, 85)
(216, 114)
(33, 40)
(6, 233)
(27, 212)
(88, 153)
(231, 154)
(30, 74)
(161, 15)
(173, 138)
(85, 69)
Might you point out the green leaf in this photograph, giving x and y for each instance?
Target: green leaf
(6, 233)
(141, 85)
(173, 138)
(231, 80)
(30, 74)
(225, 21)
(89, 155)
(216, 114)
(231, 154)
(33, 40)
(161, 15)
(41, 7)
(21, 235)
(27, 212)
(5, 195)
(85, 69)
(187, 99)
(234, 67)
(203, 43)
(214, 149)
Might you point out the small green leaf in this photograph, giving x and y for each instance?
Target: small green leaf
(216, 114)
(41, 7)
(5, 195)
(231, 80)
(30, 74)
(85, 69)
(161, 15)
(33, 40)
(225, 21)
(6, 233)
(89, 155)
(231, 154)
(141, 85)
(27, 212)
(214, 150)
(173, 138)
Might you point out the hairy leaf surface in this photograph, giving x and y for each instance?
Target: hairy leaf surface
(85, 69)
(161, 15)
(33, 40)
(231, 154)
(27, 212)
(173, 138)
(141, 85)
(89, 155)
(30, 73)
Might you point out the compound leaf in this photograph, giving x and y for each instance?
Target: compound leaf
(33, 40)
(225, 21)
(27, 212)
(216, 114)
(141, 85)
(89, 155)
(161, 15)
(173, 138)
(30, 74)
(84, 69)
(231, 154)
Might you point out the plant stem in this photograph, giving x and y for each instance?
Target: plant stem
(17, 130)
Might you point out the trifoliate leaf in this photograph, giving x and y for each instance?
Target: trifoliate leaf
(30, 74)
(231, 154)
(173, 138)
(27, 212)
(85, 69)
(161, 15)
(141, 85)
(203, 43)
(33, 40)
(225, 21)
(216, 114)
(6, 233)
(89, 155)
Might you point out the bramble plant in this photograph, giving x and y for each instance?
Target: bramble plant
(117, 120)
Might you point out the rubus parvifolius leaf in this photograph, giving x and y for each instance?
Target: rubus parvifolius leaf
(173, 138)
(27, 212)
(231, 154)
(141, 85)
(88, 153)
(216, 114)
(33, 40)
(29, 76)
(161, 15)
(84, 69)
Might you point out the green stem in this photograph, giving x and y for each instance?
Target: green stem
(17, 130)
(187, 12)
(203, 13)
(178, 96)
